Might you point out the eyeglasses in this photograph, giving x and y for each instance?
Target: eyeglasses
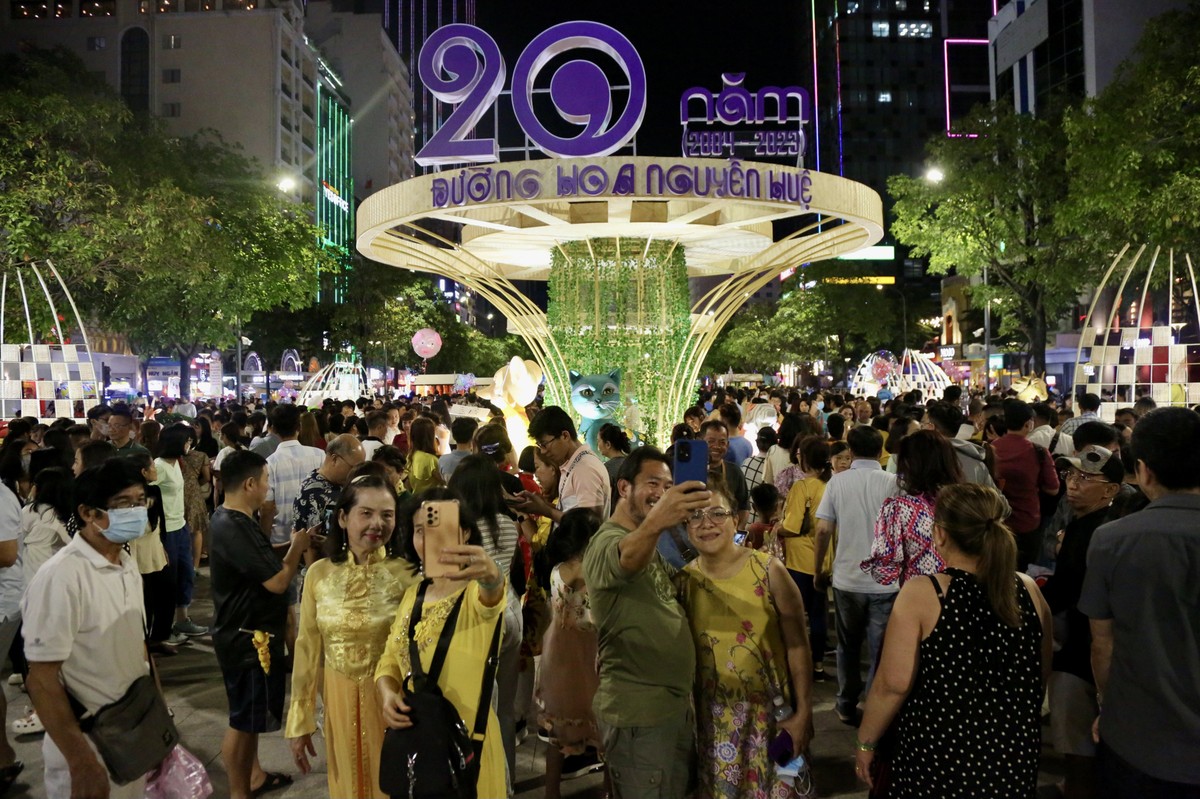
(714, 515)
(1072, 475)
(543, 446)
(122, 504)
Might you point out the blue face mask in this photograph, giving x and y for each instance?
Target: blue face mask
(821, 405)
(126, 524)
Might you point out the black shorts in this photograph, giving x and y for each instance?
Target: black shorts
(255, 698)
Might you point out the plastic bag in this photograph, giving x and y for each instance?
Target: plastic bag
(181, 776)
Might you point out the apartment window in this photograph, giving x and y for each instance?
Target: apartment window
(172, 109)
(915, 30)
(901, 5)
(96, 43)
(884, 97)
(98, 8)
(172, 75)
(881, 29)
(172, 41)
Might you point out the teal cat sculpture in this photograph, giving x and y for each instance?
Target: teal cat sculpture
(597, 398)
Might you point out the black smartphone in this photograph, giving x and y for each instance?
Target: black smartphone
(691, 461)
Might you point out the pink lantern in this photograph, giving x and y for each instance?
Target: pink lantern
(426, 342)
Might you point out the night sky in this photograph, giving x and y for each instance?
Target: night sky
(681, 44)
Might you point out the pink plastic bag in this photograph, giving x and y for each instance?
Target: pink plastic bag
(181, 776)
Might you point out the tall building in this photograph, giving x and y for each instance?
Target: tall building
(409, 23)
(241, 67)
(1068, 49)
(350, 34)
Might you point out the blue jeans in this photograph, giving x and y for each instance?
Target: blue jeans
(814, 605)
(858, 616)
(178, 544)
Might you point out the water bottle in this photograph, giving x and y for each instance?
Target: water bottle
(781, 710)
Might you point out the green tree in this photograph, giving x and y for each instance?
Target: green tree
(1135, 149)
(813, 320)
(997, 209)
(212, 243)
(57, 199)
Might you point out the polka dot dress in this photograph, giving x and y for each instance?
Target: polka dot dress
(972, 725)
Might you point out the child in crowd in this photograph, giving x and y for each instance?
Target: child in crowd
(767, 506)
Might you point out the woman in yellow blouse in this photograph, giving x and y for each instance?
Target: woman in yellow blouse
(462, 672)
(423, 472)
(797, 529)
(349, 603)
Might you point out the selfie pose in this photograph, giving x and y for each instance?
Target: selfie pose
(456, 609)
(348, 607)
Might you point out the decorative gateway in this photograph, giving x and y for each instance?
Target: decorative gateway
(915, 370)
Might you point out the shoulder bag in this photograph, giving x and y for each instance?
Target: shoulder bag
(134, 734)
(436, 757)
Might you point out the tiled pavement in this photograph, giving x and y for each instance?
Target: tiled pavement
(193, 686)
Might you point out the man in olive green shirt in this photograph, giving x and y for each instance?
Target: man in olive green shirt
(647, 658)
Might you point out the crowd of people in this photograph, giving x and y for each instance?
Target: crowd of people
(394, 559)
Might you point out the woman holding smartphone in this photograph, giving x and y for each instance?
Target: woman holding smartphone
(349, 605)
(464, 571)
(753, 662)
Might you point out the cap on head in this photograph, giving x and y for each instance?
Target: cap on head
(1094, 459)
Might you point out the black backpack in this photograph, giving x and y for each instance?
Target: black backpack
(436, 757)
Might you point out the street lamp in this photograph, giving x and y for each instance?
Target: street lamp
(934, 175)
(903, 311)
(286, 184)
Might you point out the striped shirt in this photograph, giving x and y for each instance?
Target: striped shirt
(287, 467)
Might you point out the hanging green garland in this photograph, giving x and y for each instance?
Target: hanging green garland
(623, 303)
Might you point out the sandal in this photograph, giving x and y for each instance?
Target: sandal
(30, 725)
(273, 782)
(9, 774)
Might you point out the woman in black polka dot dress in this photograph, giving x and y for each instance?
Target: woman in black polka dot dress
(964, 663)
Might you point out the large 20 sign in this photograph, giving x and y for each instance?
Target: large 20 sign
(461, 65)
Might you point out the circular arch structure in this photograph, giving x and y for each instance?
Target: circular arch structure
(44, 373)
(340, 380)
(914, 370)
(638, 217)
(1142, 332)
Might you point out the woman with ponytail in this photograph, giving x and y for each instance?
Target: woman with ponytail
(964, 665)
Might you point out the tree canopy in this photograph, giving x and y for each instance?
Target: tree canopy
(997, 208)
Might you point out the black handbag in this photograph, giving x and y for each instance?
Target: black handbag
(134, 734)
(436, 757)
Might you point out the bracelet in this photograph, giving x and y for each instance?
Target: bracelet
(865, 747)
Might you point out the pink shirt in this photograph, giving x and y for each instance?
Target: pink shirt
(903, 545)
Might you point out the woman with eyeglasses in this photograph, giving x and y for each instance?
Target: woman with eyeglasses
(753, 660)
(349, 604)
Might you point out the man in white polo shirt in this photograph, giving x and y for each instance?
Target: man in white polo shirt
(84, 628)
(851, 503)
(583, 481)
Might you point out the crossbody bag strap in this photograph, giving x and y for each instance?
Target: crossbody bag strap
(485, 689)
(421, 678)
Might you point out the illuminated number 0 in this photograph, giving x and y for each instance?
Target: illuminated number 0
(579, 90)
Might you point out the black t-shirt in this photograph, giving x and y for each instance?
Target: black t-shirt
(1062, 593)
(240, 561)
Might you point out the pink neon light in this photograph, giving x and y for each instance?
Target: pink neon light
(946, 72)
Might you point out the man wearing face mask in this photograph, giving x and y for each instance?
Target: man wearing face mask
(83, 616)
(98, 422)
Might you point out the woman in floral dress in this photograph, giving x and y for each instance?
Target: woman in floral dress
(752, 657)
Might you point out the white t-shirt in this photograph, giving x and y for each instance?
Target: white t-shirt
(853, 500)
(12, 580)
(170, 482)
(86, 612)
(584, 483)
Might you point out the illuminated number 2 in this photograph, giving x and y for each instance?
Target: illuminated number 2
(471, 60)
(579, 90)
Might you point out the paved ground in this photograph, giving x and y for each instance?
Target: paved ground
(193, 686)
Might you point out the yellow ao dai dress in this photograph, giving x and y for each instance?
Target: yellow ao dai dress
(346, 612)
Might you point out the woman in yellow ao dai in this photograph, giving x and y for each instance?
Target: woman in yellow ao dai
(348, 606)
